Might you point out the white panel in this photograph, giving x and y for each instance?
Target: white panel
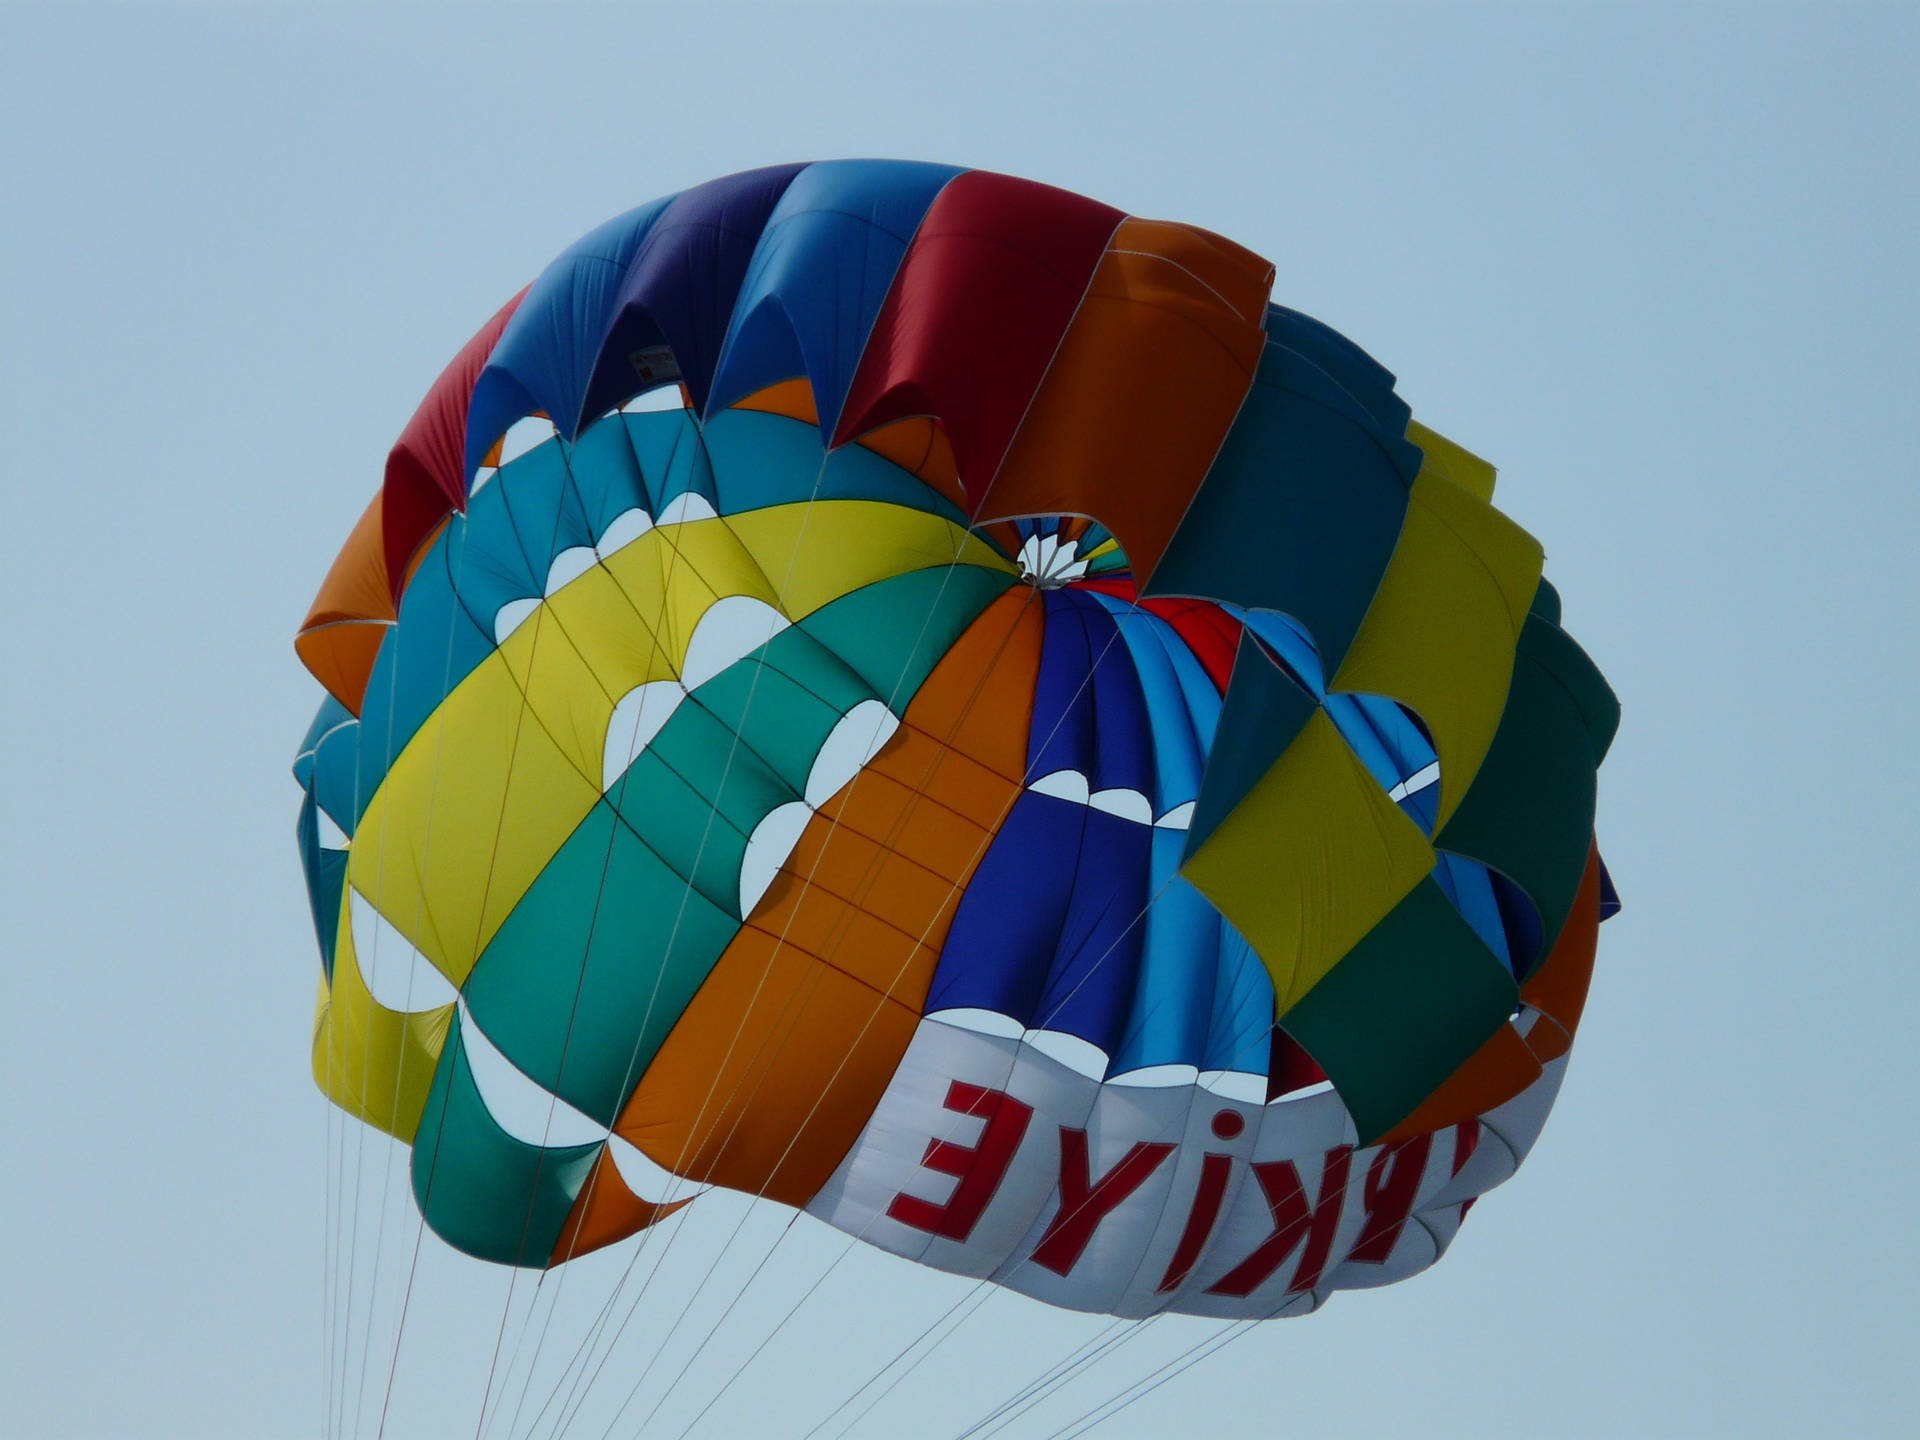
(767, 850)
(646, 1178)
(1157, 1077)
(661, 397)
(635, 721)
(732, 628)
(860, 735)
(523, 436)
(1062, 785)
(685, 509)
(569, 565)
(1178, 818)
(332, 837)
(982, 1022)
(625, 528)
(1127, 804)
(1416, 782)
(519, 1104)
(398, 976)
(1082, 1057)
(511, 616)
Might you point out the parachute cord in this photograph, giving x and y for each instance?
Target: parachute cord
(1145, 1386)
(740, 1026)
(1062, 1374)
(802, 998)
(979, 1295)
(506, 791)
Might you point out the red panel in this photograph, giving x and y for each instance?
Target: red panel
(975, 314)
(1208, 631)
(425, 479)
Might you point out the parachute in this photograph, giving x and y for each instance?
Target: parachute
(912, 694)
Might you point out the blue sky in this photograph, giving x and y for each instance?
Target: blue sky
(1656, 262)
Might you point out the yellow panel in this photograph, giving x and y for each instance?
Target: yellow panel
(816, 552)
(1452, 462)
(1311, 860)
(373, 1062)
(515, 750)
(1441, 632)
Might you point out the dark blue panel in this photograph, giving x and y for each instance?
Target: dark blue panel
(818, 278)
(545, 355)
(1009, 921)
(1089, 712)
(1090, 983)
(1609, 897)
(1061, 736)
(1368, 381)
(681, 287)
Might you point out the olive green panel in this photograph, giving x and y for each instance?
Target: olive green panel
(481, 1190)
(1529, 812)
(1403, 1010)
(593, 967)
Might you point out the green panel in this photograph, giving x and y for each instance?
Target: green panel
(1529, 812)
(592, 968)
(480, 1189)
(893, 633)
(1301, 509)
(1262, 714)
(785, 706)
(1403, 1010)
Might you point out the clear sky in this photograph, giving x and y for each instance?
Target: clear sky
(1657, 262)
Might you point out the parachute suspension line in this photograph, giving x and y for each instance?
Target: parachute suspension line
(519, 722)
(892, 703)
(801, 997)
(600, 894)
(1083, 1358)
(366, 1070)
(1153, 1380)
(981, 1293)
(655, 631)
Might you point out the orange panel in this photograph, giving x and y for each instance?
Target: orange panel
(772, 1070)
(791, 398)
(1143, 389)
(1492, 1075)
(1559, 987)
(340, 656)
(353, 598)
(605, 1213)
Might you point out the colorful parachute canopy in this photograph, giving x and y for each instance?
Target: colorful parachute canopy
(1029, 754)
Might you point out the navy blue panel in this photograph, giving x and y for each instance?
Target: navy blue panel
(1089, 712)
(545, 355)
(819, 276)
(1096, 962)
(1009, 921)
(1609, 897)
(1519, 918)
(682, 285)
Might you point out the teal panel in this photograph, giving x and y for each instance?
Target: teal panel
(589, 972)
(1529, 811)
(892, 633)
(761, 459)
(1403, 1010)
(1301, 509)
(480, 1189)
(1262, 714)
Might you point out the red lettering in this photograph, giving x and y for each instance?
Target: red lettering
(1293, 1223)
(1468, 1133)
(979, 1167)
(1392, 1181)
(1083, 1203)
(1214, 1170)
